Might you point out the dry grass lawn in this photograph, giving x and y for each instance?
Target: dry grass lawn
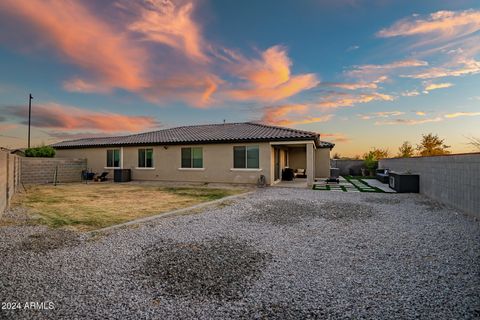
(92, 206)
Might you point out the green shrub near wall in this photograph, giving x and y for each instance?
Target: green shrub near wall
(40, 152)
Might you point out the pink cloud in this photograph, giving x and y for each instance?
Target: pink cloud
(63, 117)
(84, 39)
(166, 23)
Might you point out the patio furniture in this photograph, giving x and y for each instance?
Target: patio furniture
(288, 174)
(382, 175)
(404, 182)
(300, 173)
(102, 177)
(334, 173)
(87, 175)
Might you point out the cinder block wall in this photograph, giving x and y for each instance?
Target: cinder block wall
(346, 165)
(42, 170)
(451, 179)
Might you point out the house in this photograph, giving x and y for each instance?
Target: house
(224, 153)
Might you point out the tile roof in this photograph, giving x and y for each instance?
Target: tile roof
(210, 133)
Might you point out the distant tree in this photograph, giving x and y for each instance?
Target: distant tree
(474, 142)
(406, 150)
(432, 145)
(41, 152)
(377, 153)
(357, 157)
(336, 155)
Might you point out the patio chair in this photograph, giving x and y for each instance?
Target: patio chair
(300, 173)
(102, 177)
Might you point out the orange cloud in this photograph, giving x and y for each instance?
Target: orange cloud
(462, 114)
(409, 122)
(459, 68)
(378, 70)
(164, 22)
(381, 114)
(269, 78)
(337, 99)
(334, 137)
(84, 39)
(291, 114)
(446, 24)
(57, 116)
(411, 93)
(435, 86)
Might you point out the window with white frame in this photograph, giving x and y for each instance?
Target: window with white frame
(192, 157)
(145, 158)
(113, 158)
(246, 157)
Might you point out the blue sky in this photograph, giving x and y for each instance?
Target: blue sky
(362, 73)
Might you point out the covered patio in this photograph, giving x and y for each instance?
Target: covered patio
(304, 160)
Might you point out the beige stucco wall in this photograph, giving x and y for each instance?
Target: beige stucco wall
(217, 163)
(322, 163)
(297, 157)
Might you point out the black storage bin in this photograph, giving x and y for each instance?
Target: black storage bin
(121, 175)
(404, 183)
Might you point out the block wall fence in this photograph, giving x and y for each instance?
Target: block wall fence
(42, 170)
(451, 179)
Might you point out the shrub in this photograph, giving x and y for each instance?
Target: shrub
(40, 152)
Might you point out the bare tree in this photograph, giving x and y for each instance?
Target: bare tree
(474, 142)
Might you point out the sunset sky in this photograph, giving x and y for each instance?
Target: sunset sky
(361, 73)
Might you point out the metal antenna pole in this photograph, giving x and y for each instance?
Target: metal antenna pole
(29, 116)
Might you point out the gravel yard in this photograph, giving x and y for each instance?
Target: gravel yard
(277, 254)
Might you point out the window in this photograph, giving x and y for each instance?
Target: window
(246, 157)
(192, 158)
(145, 158)
(113, 158)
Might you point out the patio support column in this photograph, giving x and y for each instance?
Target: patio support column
(310, 164)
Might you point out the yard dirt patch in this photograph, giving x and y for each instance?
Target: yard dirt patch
(221, 268)
(287, 212)
(92, 206)
(49, 240)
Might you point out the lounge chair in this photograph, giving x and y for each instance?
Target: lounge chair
(102, 177)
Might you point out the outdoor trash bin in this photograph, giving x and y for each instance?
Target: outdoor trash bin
(121, 175)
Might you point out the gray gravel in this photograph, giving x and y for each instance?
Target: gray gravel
(280, 254)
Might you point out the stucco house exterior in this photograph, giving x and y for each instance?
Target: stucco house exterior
(222, 153)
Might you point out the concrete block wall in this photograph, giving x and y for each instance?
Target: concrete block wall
(9, 178)
(42, 170)
(451, 179)
(346, 166)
